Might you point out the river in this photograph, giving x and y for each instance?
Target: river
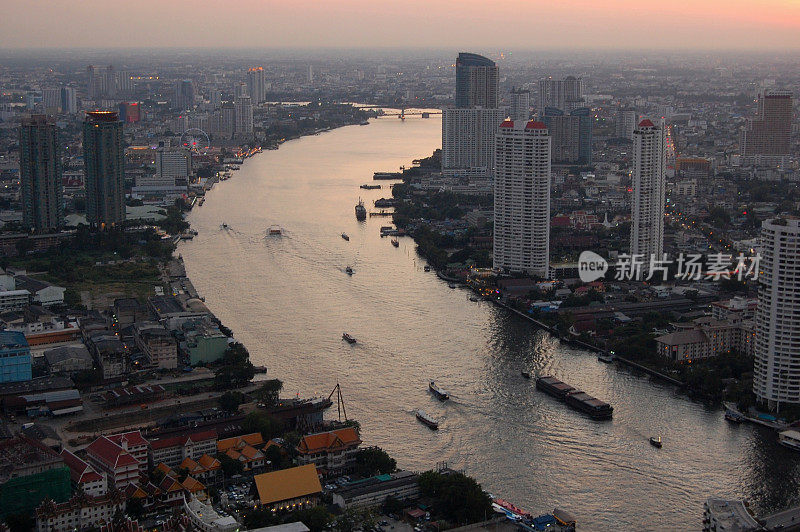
(288, 300)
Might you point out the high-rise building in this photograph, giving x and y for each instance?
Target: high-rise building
(172, 163)
(239, 90)
(216, 98)
(776, 375)
(310, 77)
(104, 166)
(244, 116)
(520, 105)
(767, 137)
(649, 189)
(257, 85)
(522, 198)
(51, 100)
(468, 141)
(476, 81)
(626, 123)
(40, 175)
(570, 133)
(124, 82)
(92, 83)
(227, 119)
(565, 94)
(69, 102)
(130, 112)
(184, 95)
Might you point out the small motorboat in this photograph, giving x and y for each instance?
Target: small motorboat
(733, 417)
(348, 270)
(344, 236)
(223, 225)
(525, 374)
(607, 358)
(427, 268)
(438, 392)
(655, 441)
(474, 299)
(349, 339)
(395, 243)
(427, 420)
(451, 285)
(275, 231)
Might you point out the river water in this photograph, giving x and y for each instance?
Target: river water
(288, 300)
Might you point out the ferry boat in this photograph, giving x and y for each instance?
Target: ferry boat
(587, 404)
(733, 417)
(348, 270)
(344, 235)
(386, 175)
(427, 420)
(438, 392)
(361, 211)
(655, 441)
(552, 386)
(395, 243)
(349, 339)
(790, 439)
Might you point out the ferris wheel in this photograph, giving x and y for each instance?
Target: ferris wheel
(195, 139)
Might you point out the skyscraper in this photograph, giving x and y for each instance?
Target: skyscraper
(476, 81)
(216, 98)
(51, 100)
(520, 108)
(468, 141)
(40, 175)
(244, 116)
(69, 103)
(184, 95)
(256, 85)
(626, 123)
(570, 134)
(649, 188)
(522, 198)
(767, 137)
(565, 94)
(776, 371)
(104, 166)
(239, 90)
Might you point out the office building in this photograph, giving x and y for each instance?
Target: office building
(40, 169)
(766, 139)
(244, 116)
(476, 81)
(130, 112)
(172, 163)
(51, 100)
(15, 357)
(520, 105)
(240, 90)
(522, 198)
(216, 98)
(124, 82)
(257, 85)
(69, 101)
(626, 123)
(776, 374)
(564, 94)
(649, 189)
(104, 166)
(571, 135)
(468, 141)
(184, 95)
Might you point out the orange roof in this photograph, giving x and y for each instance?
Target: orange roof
(190, 465)
(209, 463)
(193, 485)
(288, 484)
(164, 468)
(251, 453)
(335, 439)
(254, 439)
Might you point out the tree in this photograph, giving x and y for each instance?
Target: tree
(269, 392)
(134, 508)
(316, 519)
(262, 422)
(372, 461)
(458, 497)
(230, 467)
(230, 401)
(236, 369)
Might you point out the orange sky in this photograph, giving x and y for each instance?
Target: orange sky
(534, 24)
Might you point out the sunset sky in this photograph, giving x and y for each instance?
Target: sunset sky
(521, 24)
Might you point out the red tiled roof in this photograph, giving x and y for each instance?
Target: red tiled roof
(507, 123)
(134, 438)
(533, 124)
(176, 441)
(111, 454)
(79, 471)
(646, 123)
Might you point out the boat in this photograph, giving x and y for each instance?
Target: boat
(348, 270)
(386, 175)
(275, 231)
(790, 439)
(223, 225)
(344, 235)
(370, 187)
(655, 441)
(361, 211)
(525, 374)
(733, 417)
(451, 285)
(552, 386)
(474, 299)
(427, 268)
(608, 358)
(395, 243)
(438, 392)
(587, 404)
(427, 420)
(385, 202)
(349, 339)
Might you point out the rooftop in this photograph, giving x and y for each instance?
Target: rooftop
(288, 484)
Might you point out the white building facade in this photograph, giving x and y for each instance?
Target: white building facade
(649, 190)
(522, 198)
(776, 375)
(468, 141)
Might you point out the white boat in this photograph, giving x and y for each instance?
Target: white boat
(790, 439)
(427, 420)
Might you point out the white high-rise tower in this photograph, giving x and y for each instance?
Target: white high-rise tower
(522, 198)
(776, 372)
(649, 186)
(256, 85)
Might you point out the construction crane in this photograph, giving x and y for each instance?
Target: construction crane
(339, 401)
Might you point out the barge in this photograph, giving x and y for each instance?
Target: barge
(552, 386)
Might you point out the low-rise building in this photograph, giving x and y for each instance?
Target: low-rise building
(332, 452)
(81, 512)
(290, 489)
(118, 464)
(707, 337)
(174, 450)
(42, 292)
(157, 344)
(14, 300)
(15, 357)
(83, 476)
(373, 491)
(134, 443)
(246, 449)
(67, 360)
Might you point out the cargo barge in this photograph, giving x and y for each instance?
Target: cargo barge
(575, 398)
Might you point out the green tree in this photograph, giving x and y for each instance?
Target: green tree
(230, 467)
(262, 422)
(458, 497)
(316, 519)
(230, 401)
(269, 392)
(372, 461)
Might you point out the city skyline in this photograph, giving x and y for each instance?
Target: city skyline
(619, 24)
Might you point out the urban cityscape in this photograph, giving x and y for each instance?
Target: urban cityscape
(409, 285)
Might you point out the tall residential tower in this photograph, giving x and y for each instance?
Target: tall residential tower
(104, 165)
(40, 175)
(649, 188)
(476, 81)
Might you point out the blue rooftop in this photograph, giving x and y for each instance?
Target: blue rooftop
(12, 339)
